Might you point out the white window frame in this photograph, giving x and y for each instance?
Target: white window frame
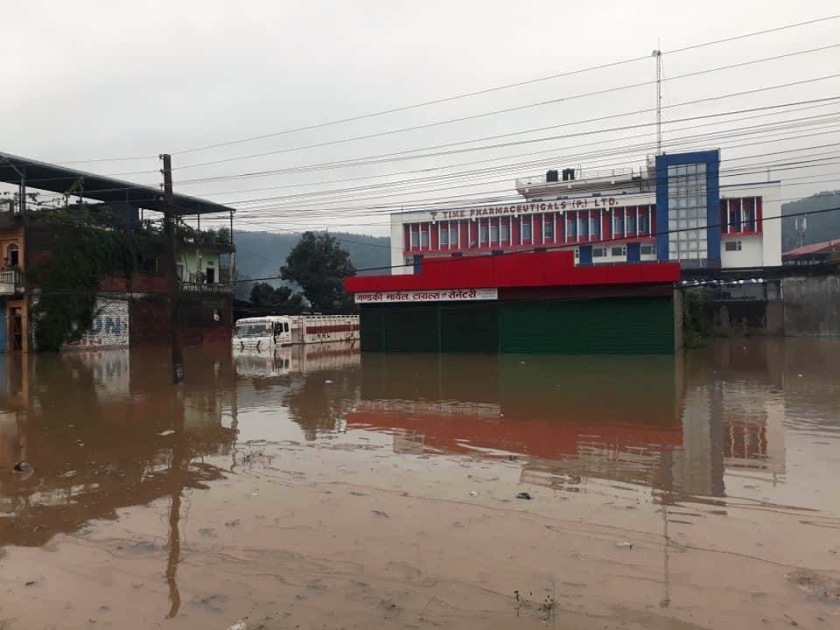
(498, 227)
(502, 239)
(529, 221)
(546, 222)
(481, 225)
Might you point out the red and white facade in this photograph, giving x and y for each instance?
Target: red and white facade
(607, 218)
(751, 226)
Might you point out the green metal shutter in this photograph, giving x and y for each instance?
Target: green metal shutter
(469, 328)
(599, 326)
(370, 329)
(410, 329)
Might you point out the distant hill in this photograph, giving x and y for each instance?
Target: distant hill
(261, 254)
(821, 227)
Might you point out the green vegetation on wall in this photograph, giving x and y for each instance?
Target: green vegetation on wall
(69, 281)
(697, 317)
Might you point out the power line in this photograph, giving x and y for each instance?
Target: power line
(411, 153)
(469, 94)
(508, 86)
(319, 204)
(773, 109)
(564, 99)
(300, 201)
(832, 159)
(508, 167)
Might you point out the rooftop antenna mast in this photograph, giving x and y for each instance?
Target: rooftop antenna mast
(657, 54)
(801, 226)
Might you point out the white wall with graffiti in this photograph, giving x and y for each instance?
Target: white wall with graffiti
(109, 329)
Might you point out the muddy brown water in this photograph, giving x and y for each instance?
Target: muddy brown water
(324, 489)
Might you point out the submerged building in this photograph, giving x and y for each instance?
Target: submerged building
(582, 264)
(132, 307)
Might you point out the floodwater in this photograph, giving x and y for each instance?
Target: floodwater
(324, 489)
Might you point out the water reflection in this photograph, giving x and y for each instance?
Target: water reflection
(568, 418)
(90, 424)
(107, 431)
(681, 426)
(103, 431)
(314, 384)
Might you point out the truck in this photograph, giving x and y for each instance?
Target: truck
(264, 334)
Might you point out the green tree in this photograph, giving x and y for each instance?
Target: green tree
(318, 264)
(279, 301)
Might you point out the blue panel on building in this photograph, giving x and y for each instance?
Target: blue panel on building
(711, 159)
(585, 254)
(418, 263)
(634, 252)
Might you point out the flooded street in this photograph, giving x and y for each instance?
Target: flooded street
(324, 489)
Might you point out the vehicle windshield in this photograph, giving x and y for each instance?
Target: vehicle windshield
(253, 330)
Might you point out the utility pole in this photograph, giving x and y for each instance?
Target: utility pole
(169, 222)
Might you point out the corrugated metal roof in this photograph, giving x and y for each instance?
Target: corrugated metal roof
(59, 179)
(815, 248)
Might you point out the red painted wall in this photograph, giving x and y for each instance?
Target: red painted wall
(554, 268)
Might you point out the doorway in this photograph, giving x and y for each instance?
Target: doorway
(16, 329)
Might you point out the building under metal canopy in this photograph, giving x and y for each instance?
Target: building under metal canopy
(27, 173)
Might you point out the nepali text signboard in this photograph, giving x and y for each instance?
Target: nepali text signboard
(436, 295)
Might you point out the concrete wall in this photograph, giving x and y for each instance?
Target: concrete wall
(194, 261)
(747, 317)
(751, 253)
(812, 306)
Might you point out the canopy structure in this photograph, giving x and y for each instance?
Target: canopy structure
(59, 179)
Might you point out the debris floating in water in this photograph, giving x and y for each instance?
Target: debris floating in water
(524, 495)
(473, 493)
(165, 433)
(22, 467)
(624, 544)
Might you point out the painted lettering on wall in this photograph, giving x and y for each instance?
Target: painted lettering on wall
(110, 328)
(528, 208)
(438, 295)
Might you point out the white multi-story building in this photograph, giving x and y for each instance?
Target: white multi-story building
(675, 208)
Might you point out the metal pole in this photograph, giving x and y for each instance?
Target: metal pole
(170, 216)
(658, 55)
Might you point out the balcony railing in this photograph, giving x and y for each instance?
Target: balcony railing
(11, 283)
(580, 177)
(199, 287)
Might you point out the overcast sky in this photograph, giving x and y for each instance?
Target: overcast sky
(91, 79)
